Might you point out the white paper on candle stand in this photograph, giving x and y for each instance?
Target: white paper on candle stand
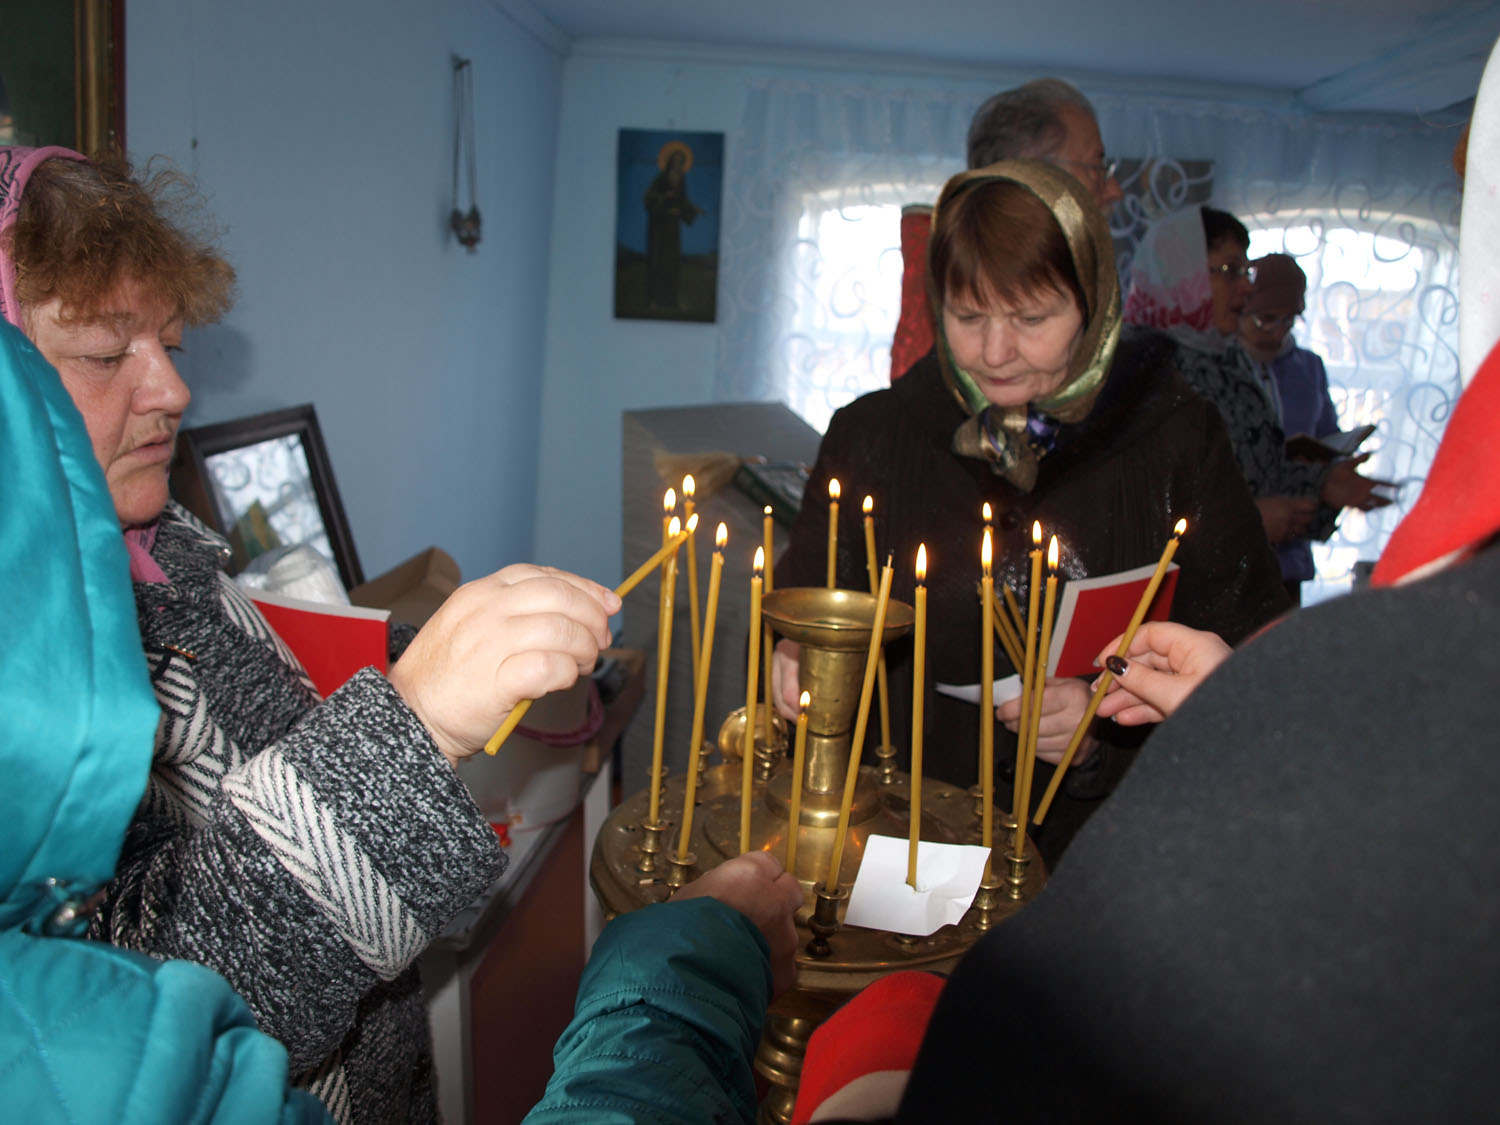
(948, 877)
(1002, 691)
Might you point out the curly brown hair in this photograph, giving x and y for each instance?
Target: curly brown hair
(85, 226)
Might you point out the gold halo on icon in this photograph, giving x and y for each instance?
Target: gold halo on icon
(665, 155)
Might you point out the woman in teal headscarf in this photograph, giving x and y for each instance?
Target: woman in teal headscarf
(1031, 402)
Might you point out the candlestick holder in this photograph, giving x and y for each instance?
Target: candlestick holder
(988, 900)
(885, 763)
(1015, 876)
(680, 870)
(833, 627)
(651, 834)
(824, 922)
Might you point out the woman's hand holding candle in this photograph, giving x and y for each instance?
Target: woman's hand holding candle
(1163, 666)
(497, 642)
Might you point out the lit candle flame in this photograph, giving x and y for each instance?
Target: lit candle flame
(921, 563)
(1036, 534)
(692, 523)
(721, 536)
(988, 512)
(760, 559)
(767, 510)
(986, 553)
(674, 529)
(1180, 528)
(688, 487)
(833, 488)
(669, 502)
(805, 701)
(868, 506)
(1052, 554)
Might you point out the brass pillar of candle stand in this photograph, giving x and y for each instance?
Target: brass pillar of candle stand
(833, 627)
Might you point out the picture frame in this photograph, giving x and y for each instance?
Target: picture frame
(266, 481)
(668, 193)
(62, 74)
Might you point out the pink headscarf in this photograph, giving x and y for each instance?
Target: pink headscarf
(16, 166)
(17, 163)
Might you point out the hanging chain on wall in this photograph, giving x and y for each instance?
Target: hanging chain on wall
(465, 224)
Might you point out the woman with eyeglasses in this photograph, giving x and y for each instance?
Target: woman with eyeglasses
(1191, 279)
(1298, 378)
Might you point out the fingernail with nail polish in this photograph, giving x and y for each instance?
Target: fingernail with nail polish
(1116, 666)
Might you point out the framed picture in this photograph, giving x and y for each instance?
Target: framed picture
(266, 482)
(667, 225)
(62, 74)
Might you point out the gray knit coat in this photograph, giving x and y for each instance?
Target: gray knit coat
(306, 850)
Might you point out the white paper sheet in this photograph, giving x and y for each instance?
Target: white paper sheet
(1002, 691)
(948, 877)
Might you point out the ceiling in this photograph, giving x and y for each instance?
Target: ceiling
(1405, 56)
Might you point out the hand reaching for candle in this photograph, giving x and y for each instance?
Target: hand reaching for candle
(1063, 703)
(517, 634)
(756, 886)
(1166, 662)
(786, 665)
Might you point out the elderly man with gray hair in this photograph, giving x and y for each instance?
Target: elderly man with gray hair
(1045, 119)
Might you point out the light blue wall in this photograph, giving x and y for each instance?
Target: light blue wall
(596, 366)
(322, 133)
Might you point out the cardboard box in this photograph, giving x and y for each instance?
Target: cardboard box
(412, 590)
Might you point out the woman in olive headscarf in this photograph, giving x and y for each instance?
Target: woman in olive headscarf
(1030, 401)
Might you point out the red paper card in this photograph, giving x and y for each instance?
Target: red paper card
(1094, 611)
(332, 641)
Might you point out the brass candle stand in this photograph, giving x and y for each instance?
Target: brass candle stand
(635, 864)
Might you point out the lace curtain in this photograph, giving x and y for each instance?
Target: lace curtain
(810, 277)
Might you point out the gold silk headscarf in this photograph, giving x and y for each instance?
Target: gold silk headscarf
(999, 434)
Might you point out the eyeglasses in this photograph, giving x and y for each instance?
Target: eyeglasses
(1263, 321)
(1104, 169)
(1233, 271)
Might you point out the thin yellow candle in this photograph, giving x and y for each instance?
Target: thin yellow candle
(1030, 666)
(663, 659)
(986, 692)
(851, 776)
(833, 532)
(1014, 607)
(882, 684)
(799, 759)
(1101, 685)
(700, 693)
(751, 694)
(668, 506)
(1008, 638)
(689, 489)
(1044, 646)
(768, 534)
(918, 685)
(518, 712)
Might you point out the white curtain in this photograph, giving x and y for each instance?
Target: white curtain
(811, 265)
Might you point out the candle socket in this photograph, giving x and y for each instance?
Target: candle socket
(988, 897)
(824, 922)
(1015, 876)
(977, 792)
(681, 870)
(703, 755)
(651, 834)
(885, 762)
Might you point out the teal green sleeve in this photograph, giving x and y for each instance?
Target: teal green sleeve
(668, 1017)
